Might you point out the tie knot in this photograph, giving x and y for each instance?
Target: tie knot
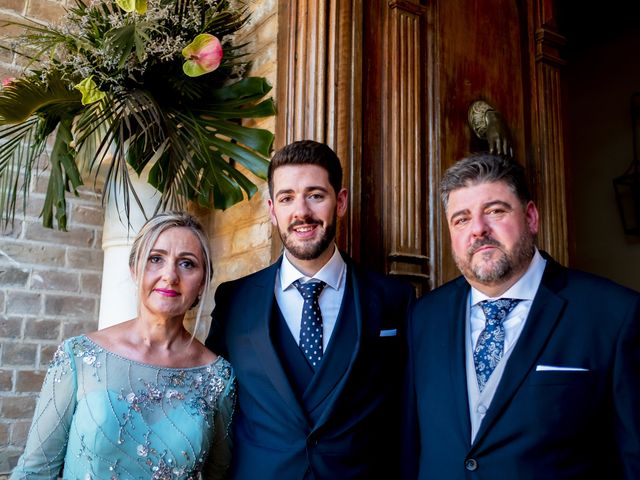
(311, 290)
(495, 311)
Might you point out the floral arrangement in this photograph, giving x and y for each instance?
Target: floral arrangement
(157, 85)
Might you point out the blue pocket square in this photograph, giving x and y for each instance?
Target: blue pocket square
(389, 333)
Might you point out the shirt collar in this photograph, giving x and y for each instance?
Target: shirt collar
(331, 273)
(525, 288)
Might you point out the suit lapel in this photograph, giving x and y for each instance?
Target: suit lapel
(259, 310)
(339, 352)
(457, 365)
(545, 312)
(372, 320)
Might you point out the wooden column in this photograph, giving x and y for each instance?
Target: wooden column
(547, 165)
(404, 162)
(319, 88)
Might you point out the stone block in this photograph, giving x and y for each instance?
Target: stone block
(26, 253)
(46, 354)
(241, 265)
(264, 57)
(17, 407)
(40, 183)
(89, 194)
(18, 354)
(14, 229)
(23, 303)
(8, 461)
(42, 329)
(6, 380)
(85, 259)
(76, 236)
(34, 207)
(47, 11)
(16, 6)
(4, 435)
(70, 307)
(221, 245)
(19, 432)
(55, 280)
(11, 327)
(72, 329)
(251, 237)
(29, 381)
(91, 283)
(266, 31)
(87, 214)
(260, 10)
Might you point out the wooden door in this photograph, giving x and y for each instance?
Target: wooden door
(425, 63)
(388, 83)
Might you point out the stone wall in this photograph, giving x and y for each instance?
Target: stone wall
(242, 235)
(50, 281)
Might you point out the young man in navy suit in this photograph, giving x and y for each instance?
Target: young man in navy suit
(314, 341)
(521, 368)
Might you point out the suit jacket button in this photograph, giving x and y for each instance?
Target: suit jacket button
(471, 464)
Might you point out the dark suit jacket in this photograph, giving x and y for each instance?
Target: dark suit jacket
(541, 424)
(358, 434)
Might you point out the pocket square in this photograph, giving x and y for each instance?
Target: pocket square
(553, 368)
(389, 333)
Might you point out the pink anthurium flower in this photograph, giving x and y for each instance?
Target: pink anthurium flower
(203, 55)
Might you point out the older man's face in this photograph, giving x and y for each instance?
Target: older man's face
(492, 235)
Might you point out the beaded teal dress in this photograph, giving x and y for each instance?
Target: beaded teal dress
(102, 416)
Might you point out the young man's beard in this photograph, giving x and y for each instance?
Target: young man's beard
(503, 267)
(309, 250)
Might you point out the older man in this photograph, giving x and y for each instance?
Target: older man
(521, 368)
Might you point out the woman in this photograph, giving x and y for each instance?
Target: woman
(141, 399)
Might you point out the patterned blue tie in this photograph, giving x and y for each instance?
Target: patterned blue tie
(490, 346)
(311, 322)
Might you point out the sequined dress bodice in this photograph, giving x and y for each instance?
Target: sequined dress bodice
(103, 416)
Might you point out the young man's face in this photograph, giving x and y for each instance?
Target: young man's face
(492, 234)
(304, 207)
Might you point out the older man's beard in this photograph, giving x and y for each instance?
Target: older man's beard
(501, 268)
(309, 250)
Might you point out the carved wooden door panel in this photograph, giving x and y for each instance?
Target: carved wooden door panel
(388, 83)
(425, 63)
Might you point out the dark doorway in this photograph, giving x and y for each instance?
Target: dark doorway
(602, 73)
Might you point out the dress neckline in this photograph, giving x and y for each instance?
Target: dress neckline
(150, 365)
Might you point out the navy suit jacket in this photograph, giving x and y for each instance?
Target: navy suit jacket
(541, 424)
(358, 433)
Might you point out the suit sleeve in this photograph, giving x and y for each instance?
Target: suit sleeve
(626, 393)
(216, 339)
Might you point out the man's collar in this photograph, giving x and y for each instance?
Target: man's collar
(526, 286)
(331, 273)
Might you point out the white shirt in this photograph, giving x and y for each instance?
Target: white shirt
(333, 273)
(524, 289)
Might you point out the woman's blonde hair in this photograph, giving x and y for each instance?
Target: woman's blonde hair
(146, 239)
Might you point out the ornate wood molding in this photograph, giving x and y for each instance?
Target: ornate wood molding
(547, 165)
(404, 166)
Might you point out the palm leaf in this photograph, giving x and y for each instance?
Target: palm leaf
(188, 131)
(23, 97)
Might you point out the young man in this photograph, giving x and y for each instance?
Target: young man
(314, 341)
(520, 368)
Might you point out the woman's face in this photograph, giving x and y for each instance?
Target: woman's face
(173, 274)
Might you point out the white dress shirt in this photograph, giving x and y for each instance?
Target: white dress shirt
(333, 273)
(524, 289)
